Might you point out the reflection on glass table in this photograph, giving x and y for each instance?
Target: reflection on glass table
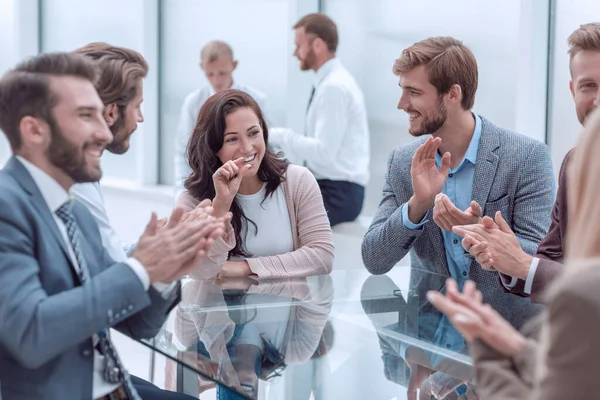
(377, 337)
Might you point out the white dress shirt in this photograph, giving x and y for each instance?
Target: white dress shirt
(336, 144)
(187, 121)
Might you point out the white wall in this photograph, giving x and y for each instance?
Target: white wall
(564, 126)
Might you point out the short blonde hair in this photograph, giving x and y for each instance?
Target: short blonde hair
(214, 50)
(448, 62)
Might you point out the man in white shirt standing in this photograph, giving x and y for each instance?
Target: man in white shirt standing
(335, 146)
(218, 64)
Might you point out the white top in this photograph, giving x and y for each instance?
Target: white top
(336, 144)
(273, 221)
(55, 196)
(187, 121)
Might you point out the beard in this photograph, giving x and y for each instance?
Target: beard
(308, 61)
(433, 121)
(120, 143)
(66, 156)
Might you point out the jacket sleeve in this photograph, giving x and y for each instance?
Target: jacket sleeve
(388, 240)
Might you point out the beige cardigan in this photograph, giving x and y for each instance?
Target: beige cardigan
(560, 360)
(311, 233)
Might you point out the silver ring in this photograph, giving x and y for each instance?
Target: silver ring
(219, 173)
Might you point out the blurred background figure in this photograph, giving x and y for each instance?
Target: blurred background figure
(218, 63)
(335, 146)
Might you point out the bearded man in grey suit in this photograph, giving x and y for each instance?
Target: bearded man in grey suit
(466, 169)
(61, 291)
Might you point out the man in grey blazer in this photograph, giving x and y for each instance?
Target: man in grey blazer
(467, 168)
(62, 291)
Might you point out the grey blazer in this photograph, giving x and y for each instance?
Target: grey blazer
(513, 174)
(48, 319)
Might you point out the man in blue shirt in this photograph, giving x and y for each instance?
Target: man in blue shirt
(467, 168)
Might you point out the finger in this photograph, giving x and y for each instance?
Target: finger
(204, 203)
(434, 145)
(451, 212)
(502, 224)
(479, 248)
(488, 223)
(469, 289)
(222, 173)
(244, 171)
(161, 223)
(239, 161)
(235, 168)
(468, 243)
(176, 216)
(418, 156)
(151, 226)
(440, 221)
(475, 208)
(445, 164)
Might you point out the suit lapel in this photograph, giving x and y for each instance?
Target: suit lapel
(23, 178)
(486, 165)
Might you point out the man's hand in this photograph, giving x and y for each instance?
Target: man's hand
(446, 215)
(427, 179)
(170, 252)
(475, 320)
(495, 246)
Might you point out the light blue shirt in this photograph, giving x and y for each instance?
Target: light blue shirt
(459, 189)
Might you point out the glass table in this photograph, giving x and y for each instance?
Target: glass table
(347, 335)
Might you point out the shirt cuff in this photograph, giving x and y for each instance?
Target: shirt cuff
(509, 285)
(140, 271)
(164, 289)
(531, 275)
(407, 222)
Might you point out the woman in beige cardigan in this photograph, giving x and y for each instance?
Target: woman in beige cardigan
(279, 226)
(559, 360)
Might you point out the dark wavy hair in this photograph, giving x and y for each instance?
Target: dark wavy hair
(205, 143)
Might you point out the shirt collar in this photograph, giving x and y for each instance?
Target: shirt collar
(325, 70)
(54, 195)
(211, 90)
(471, 154)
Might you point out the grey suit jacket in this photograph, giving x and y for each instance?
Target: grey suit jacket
(48, 319)
(513, 174)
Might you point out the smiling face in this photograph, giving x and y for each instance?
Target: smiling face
(422, 102)
(585, 82)
(243, 137)
(78, 131)
(305, 49)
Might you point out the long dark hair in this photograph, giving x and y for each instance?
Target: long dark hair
(205, 143)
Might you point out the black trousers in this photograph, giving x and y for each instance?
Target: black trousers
(149, 391)
(343, 200)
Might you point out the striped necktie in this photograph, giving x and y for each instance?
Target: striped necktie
(114, 371)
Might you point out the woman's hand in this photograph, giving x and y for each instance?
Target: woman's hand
(476, 320)
(227, 182)
(235, 269)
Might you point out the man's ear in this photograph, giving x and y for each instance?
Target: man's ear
(572, 88)
(235, 64)
(111, 114)
(33, 130)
